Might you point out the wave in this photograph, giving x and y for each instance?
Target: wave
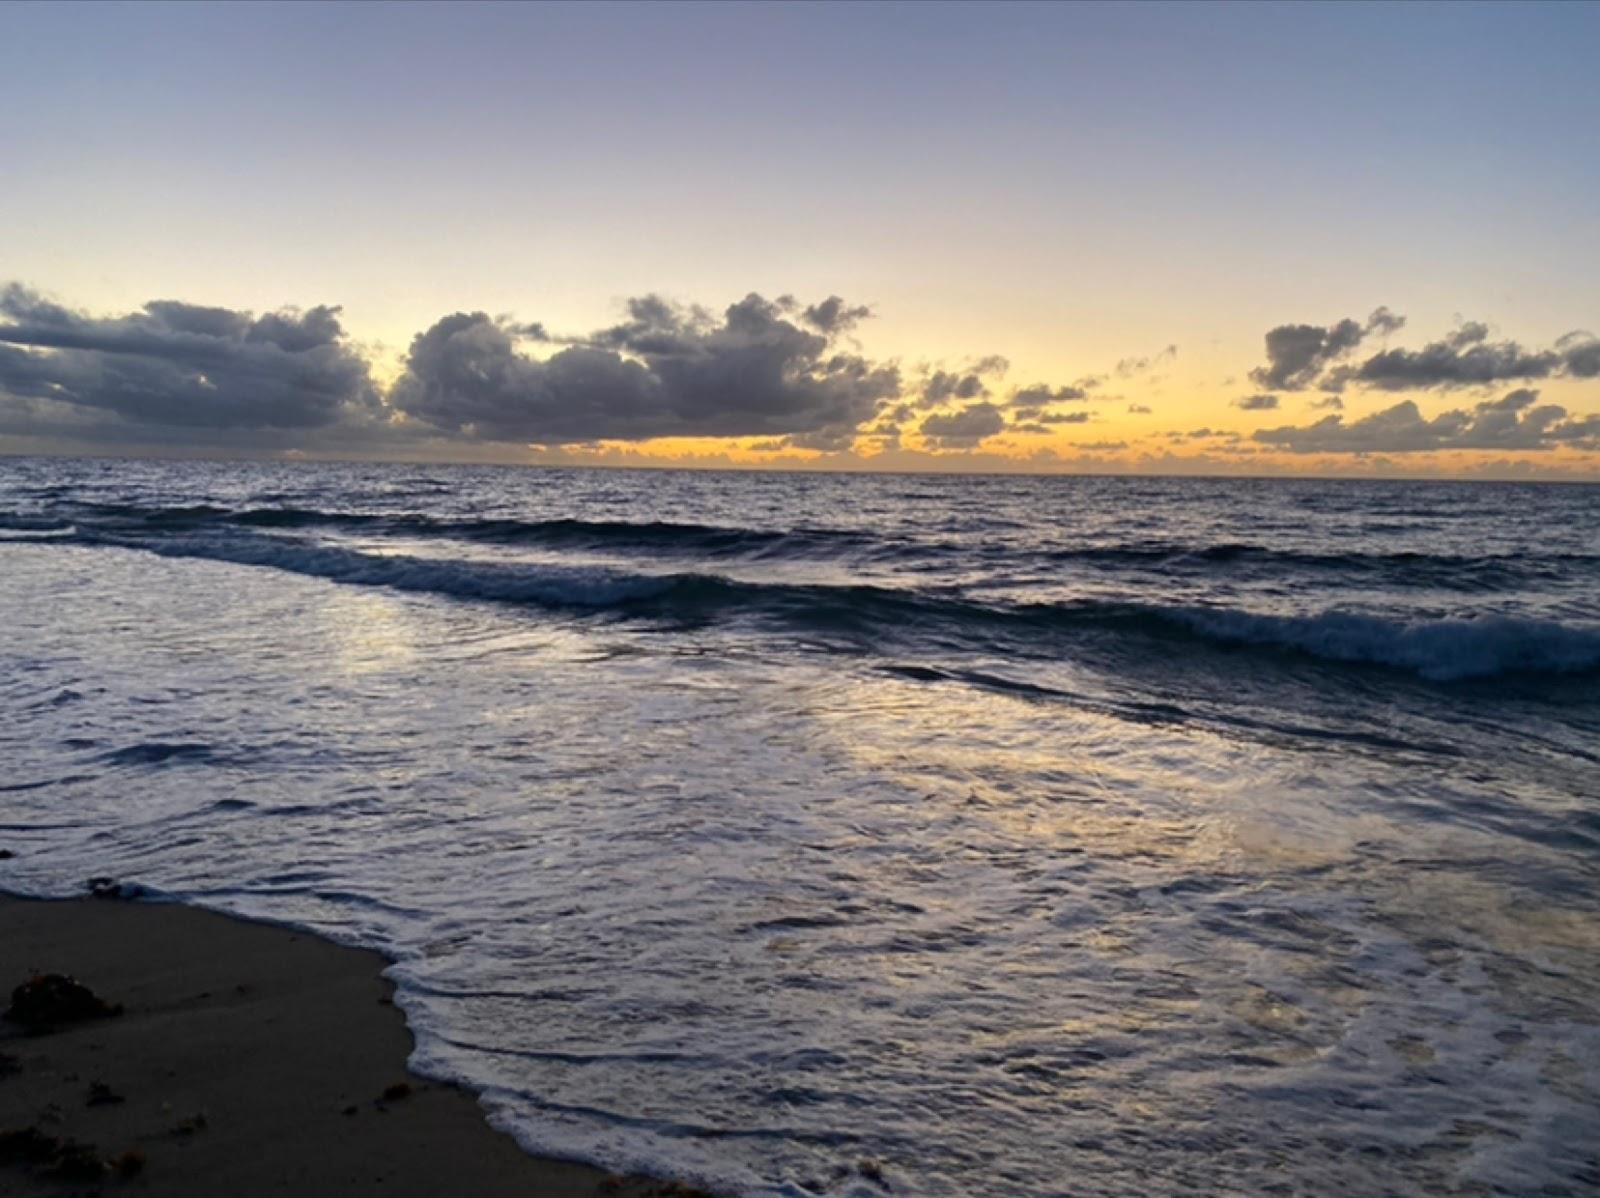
(1441, 649)
(1407, 569)
(1410, 569)
(559, 532)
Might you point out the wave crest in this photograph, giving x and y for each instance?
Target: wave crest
(1441, 649)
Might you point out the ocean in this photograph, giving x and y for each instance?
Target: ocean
(809, 833)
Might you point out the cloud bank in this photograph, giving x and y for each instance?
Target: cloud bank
(758, 369)
(1515, 421)
(207, 373)
(1303, 356)
(763, 375)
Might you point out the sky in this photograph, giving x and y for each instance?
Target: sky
(1253, 238)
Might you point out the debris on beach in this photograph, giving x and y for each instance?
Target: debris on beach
(67, 1160)
(396, 1092)
(193, 1125)
(9, 1064)
(6, 855)
(873, 1172)
(78, 1162)
(130, 1164)
(676, 1189)
(49, 999)
(28, 1146)
(113, 890)
(101, 1094)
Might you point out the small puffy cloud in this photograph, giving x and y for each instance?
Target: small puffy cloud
(1382, 322)
(1101, 446)
(1580, 352)
(1066, 417)
(1257, 403)
(943, 386)
(1512, 401)
(1042, 395)
(965, 428)
(176, 366)
(1516, 421)
(1139, 409)
(946, 386)
(668, 370)
(833, 316)
(1297, 353)
(1332, 403)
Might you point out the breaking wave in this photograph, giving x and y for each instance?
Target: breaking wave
(1442, 649)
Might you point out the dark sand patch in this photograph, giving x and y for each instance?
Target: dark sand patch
(246, 1060)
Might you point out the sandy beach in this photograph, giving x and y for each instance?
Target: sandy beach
(246, 1059)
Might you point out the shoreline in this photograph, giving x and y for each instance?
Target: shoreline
(248, 1059)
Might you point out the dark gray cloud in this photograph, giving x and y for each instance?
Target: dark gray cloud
(833, 316)
(945, 386)
(964, 428)
(1332, 403)
(1515, 421)
(1300, 356)
(1581, 354)
(1297, 353)
(1381, 322)
(1257, 403)
(176, 366)
(668, 370)
(1042, 422)
(1042, 395)
(1463, 359)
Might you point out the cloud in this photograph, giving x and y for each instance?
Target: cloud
(668, 370)
(1101, 445)
(1139, 409)
(193, 370)
(1127, 367)
(1513, 422)
(833, 316)
(1066, 418)
(1036, 398)
(1331, 402)
(1580, 352)
(965, 428)
(1296, 353)
(1383, 322)
(1256, 403)
(944, 386)
(1300, 356)
(1463, 359)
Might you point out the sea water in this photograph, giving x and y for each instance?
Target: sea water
(1014, 836)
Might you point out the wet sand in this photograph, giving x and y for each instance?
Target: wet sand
(247, 1060)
